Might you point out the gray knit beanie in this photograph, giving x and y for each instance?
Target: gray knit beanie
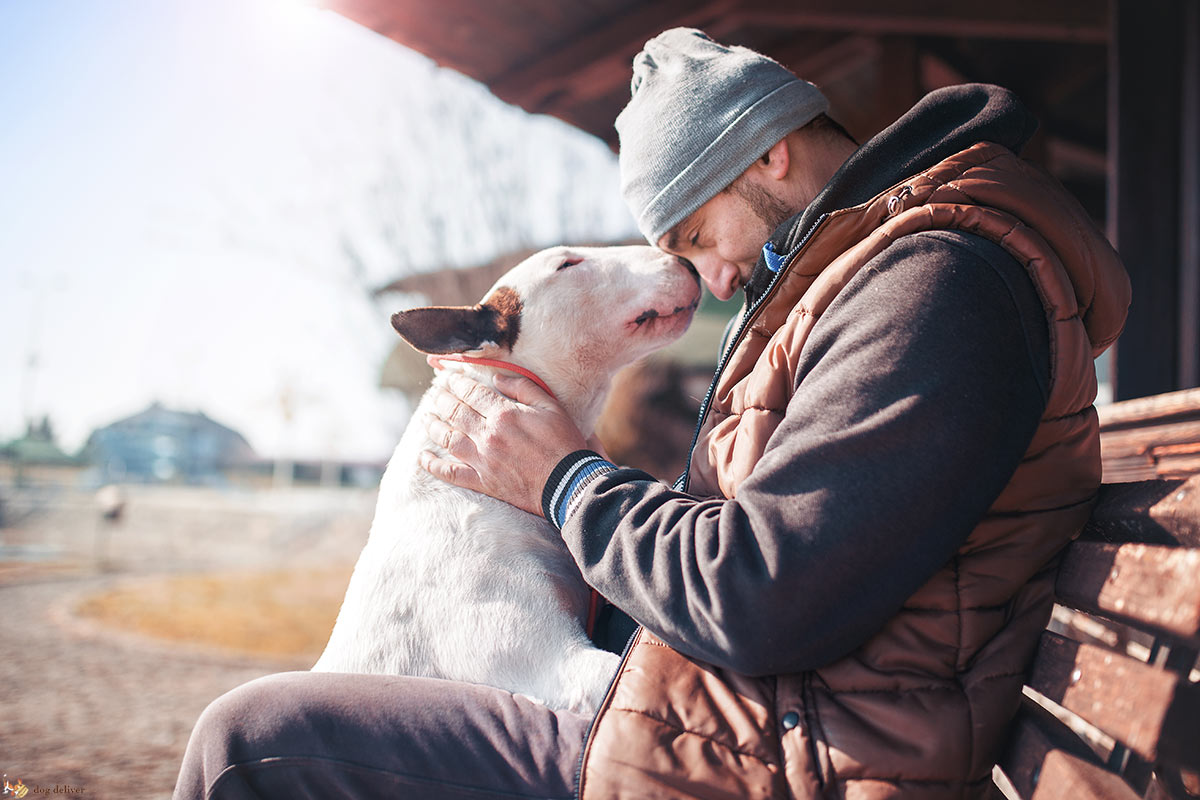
(699, 115)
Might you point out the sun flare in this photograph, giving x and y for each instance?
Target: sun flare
(291, 18)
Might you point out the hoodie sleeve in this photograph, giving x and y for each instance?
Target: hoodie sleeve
(918, 393)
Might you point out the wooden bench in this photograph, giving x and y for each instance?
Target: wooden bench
(1112, 705)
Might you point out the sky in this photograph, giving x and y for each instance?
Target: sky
(196, 197)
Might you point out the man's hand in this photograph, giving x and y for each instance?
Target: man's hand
(508, 443)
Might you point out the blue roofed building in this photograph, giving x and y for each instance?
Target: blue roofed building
(160, 445)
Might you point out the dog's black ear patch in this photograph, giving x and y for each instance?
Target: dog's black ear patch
(506, 303)
(458, 329)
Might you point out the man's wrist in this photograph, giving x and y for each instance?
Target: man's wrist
(567, 481)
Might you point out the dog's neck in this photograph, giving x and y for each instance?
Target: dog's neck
(501, 364)
(583, 400)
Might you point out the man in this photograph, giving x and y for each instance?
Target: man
(899, 439)
(841, 596)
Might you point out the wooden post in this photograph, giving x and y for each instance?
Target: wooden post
(1189, 201)
(1144, 216)
(899, 78)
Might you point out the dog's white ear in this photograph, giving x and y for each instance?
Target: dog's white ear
(493, 324)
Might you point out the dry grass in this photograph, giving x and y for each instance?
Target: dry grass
(280, 614)
(12, 572)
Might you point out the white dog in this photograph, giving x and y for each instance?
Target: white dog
(454, 584)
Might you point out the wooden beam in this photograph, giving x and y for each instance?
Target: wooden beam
(1062, 20)
(591, 65)
(450, 33)
(826, 65)
(1144, 188)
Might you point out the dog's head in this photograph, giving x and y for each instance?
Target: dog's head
(573, 315)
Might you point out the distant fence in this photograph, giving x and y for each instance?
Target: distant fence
(185, 528)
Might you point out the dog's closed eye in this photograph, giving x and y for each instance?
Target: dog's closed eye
(570, 262)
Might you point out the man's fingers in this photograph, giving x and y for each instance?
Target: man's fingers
(454, 411)
(486, 401)
(483, 400)
(454, 441)
(450, 471)
(525, 391)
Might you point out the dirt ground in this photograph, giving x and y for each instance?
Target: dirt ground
(99, 712)
(109, 713)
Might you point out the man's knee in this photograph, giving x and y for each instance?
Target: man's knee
(242, 726)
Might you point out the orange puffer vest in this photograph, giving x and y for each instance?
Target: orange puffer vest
(921, 708)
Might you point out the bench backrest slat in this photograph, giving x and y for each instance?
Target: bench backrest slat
(1154, 512)
(1151, 586)
(1112, 704)
(1156, 450)
(1151, 437)
(1150, 710)
(1045, 761)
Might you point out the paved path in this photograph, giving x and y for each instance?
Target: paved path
(110, 715)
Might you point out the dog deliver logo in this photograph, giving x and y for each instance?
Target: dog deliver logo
(18, 789)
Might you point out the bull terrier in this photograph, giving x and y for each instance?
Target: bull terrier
(454, 584)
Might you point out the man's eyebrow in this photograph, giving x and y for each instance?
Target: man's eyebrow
(673, 239)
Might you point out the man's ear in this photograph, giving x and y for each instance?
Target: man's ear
(774, 163)
(459, 329)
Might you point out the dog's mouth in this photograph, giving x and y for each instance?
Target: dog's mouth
(652, 317)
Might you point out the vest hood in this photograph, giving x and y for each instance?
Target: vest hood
(943, 123)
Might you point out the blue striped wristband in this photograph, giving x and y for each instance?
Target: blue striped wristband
(567, 481)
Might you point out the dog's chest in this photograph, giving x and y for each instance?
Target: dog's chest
(435, 549)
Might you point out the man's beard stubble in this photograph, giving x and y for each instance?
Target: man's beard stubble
(766, 206)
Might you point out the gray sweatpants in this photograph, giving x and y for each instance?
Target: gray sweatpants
(322, 735)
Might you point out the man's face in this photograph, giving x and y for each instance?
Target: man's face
(723, 238)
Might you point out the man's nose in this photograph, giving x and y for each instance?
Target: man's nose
(707, 265)
(715, 274)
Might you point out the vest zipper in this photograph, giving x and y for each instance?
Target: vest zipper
(681, 483)
(587, 739)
